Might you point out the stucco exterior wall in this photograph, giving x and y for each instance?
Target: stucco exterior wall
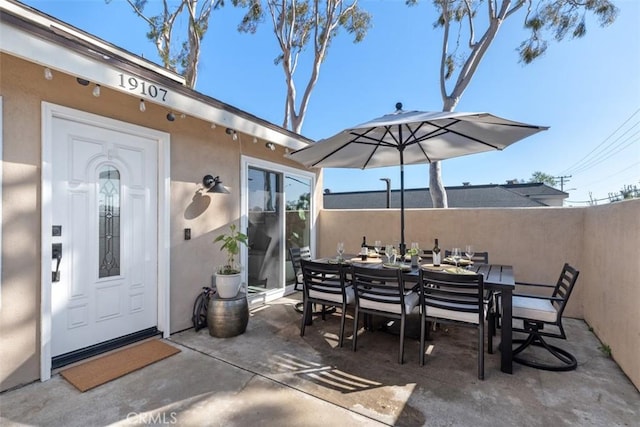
(610, 277)
(197, 149)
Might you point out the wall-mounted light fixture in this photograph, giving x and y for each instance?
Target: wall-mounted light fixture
(214, 185)
(48, 75)
(255, 140)
(96, 91)
(271, 146)
(142, 106)
(213, 125)
(170, 116)
(233, 133)
(82, 82)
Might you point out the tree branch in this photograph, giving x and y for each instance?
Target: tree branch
(443, 58)
(472, 31)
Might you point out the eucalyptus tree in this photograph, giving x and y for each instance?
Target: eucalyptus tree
(478, 22)
(182, 57)
(298, 25)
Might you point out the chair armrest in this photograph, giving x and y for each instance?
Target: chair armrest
(537, 285)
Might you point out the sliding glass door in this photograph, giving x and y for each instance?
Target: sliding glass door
(277, 214)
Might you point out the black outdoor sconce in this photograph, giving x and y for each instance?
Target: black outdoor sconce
(214, 185)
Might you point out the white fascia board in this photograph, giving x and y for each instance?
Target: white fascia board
(24, 45)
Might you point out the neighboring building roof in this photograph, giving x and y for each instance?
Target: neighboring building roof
(466, 196)
(40, 38)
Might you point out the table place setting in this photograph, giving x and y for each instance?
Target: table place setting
(404, 267)
(369, 260)
(339, 261)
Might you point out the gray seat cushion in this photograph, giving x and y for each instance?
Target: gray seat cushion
(534, 309)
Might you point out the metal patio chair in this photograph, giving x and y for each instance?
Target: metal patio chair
(536, 312)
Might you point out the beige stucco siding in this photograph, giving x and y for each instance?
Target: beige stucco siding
(197, 149)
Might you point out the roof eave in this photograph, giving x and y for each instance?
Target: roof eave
(41, 39)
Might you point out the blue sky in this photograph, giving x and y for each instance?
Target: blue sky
(587, 90)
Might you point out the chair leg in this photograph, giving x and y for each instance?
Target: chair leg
(401, 356)
(423, 326)
(303, 321)
(343, 315)
(354, 343)
(481, 351)
(491, 333)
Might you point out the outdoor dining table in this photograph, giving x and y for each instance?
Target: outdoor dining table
(497, 277)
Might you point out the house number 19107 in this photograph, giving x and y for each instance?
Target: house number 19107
(143, 88)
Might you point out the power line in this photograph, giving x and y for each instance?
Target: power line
(612, 175)
(578, 164)
(611, 153)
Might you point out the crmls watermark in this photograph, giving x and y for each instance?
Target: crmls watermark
(153, 419)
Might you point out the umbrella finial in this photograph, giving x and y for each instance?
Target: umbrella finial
(398, 106)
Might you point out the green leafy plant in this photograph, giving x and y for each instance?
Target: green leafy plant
(606, 349)
(231, 243)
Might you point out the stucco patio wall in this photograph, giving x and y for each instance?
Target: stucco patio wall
(537, 242)
(610, 270)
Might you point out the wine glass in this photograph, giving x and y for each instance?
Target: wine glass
(340, 249)
(387, 251)
(468, 251)
(376, 246)
(455, 254)
(392, 256)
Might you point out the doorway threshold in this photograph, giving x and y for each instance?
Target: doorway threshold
(103, 347)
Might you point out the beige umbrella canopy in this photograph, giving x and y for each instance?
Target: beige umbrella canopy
(413, 137)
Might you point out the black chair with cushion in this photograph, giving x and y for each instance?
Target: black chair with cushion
(381, 292)
(453, 298)
(325, 284)
(490, 297)
(427, 256)
(295, 255)
(536, 312)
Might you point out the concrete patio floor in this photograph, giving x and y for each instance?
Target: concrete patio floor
(270, 376)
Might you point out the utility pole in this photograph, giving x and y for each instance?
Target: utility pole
(562, 179)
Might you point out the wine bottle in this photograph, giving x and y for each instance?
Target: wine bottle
(363, 248)
(436, 254)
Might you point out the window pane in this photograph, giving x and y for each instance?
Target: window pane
(264, 230)
(109, 222)
(298, 220)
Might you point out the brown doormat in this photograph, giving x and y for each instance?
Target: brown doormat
(115, 365)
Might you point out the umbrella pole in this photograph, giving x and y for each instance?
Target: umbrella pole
(403, 246)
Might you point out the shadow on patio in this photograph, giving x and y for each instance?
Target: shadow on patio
(272, 376)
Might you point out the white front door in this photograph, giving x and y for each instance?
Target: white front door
(105, 215)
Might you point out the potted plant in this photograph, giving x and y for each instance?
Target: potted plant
(228, 278)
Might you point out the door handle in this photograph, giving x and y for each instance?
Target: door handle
(56, 254)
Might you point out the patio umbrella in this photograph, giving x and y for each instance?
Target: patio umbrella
(413, 137)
